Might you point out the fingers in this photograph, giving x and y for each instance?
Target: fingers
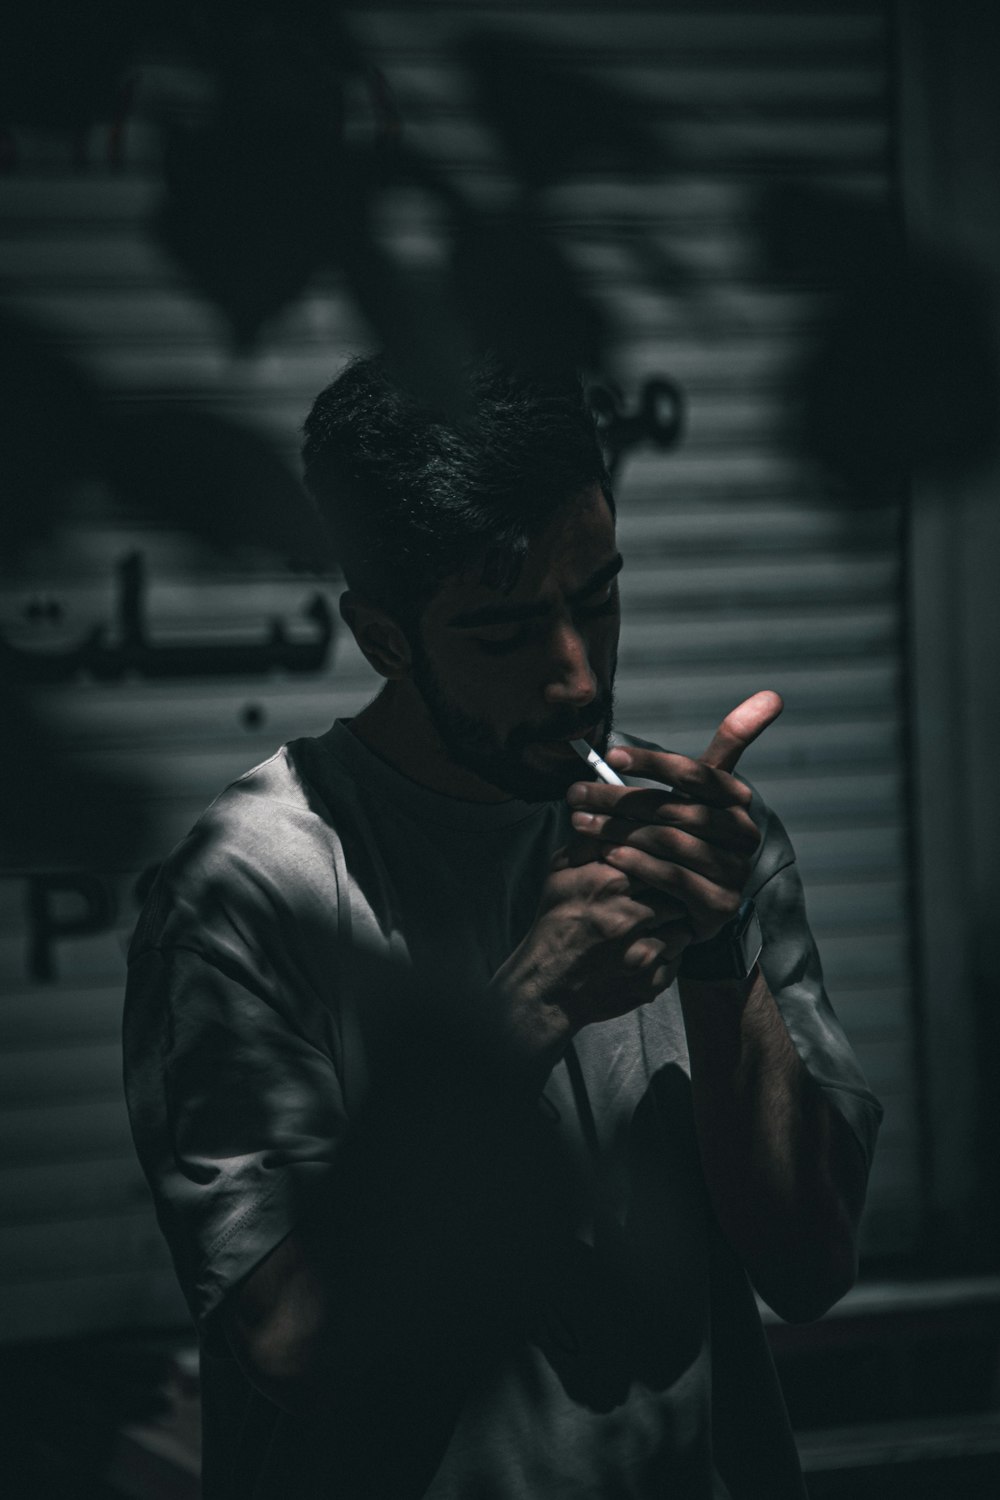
(707, 779)
(740, 728)
(675, 846)
(645, 909)
(663, 946)
(594, 882)
(684, 859)
(697, 782)
(673, 830)
(709, 903)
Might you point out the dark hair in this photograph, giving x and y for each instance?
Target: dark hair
(411, 497)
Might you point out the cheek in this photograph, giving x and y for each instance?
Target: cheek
(500, 692)
(480, 686)
(602, 649)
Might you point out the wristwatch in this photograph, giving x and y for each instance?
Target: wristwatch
(731, 954)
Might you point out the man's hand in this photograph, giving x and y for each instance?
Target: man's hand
(601, 944)
(647, 874)
(696, 848)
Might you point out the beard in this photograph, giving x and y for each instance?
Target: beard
(500, 761)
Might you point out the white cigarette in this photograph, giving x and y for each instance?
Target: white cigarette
(603, 770)
(590, 755)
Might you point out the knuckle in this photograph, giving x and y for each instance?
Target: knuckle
(729, 902)
(698, 776)
(687, 844)
(616, 926)
(715, 907)
(751, 832)
(611, 882)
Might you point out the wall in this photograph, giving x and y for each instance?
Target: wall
(748, 564)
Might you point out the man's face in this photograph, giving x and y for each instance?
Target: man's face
(508, 679)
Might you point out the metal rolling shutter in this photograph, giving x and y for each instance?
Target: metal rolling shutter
(742, 572)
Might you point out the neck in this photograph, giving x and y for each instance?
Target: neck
(398, 729)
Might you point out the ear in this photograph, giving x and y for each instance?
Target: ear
(382, 641)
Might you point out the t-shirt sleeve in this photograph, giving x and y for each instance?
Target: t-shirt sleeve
(232, 1079)
(791, 965)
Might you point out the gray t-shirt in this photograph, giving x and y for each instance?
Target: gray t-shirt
(325, 905)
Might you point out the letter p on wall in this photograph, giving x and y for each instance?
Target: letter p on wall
(64, 904)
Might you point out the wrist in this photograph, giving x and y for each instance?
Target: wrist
(532, 1030)
(710, 997)
(731, 956)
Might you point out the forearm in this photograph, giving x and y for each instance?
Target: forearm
(784, 1174)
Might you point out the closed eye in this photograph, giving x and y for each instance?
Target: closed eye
(606, 607)
(494, 647)
(491, 646)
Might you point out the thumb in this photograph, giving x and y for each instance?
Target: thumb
(740, 728)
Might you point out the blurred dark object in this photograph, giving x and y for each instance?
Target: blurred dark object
(517, 287)
(902, 376)
(414, 317)
(178, 465)
(265, 187)
(265, 191)
(52, 433)
(658, 418)
(52, 439)
(214, 479)
(64, 67)
(522, 297)
(68, 1406)
(56, 815)
(252, 190)
(182, 469)
(551, 121)
(904, 379)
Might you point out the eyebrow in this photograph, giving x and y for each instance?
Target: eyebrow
(509, 614)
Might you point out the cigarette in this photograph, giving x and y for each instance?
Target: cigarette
(590, 755)
(603, 770)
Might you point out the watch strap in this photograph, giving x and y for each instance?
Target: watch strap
(731, 954)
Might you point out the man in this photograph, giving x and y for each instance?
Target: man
(468, 1101)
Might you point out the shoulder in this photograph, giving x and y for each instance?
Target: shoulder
(262, 825)
(264, 847)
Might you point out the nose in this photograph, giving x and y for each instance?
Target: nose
(570, 678)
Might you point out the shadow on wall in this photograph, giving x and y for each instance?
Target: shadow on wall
(263, 186)
(902, 378)
(275, 172)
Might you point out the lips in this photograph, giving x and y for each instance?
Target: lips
(561, 746)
